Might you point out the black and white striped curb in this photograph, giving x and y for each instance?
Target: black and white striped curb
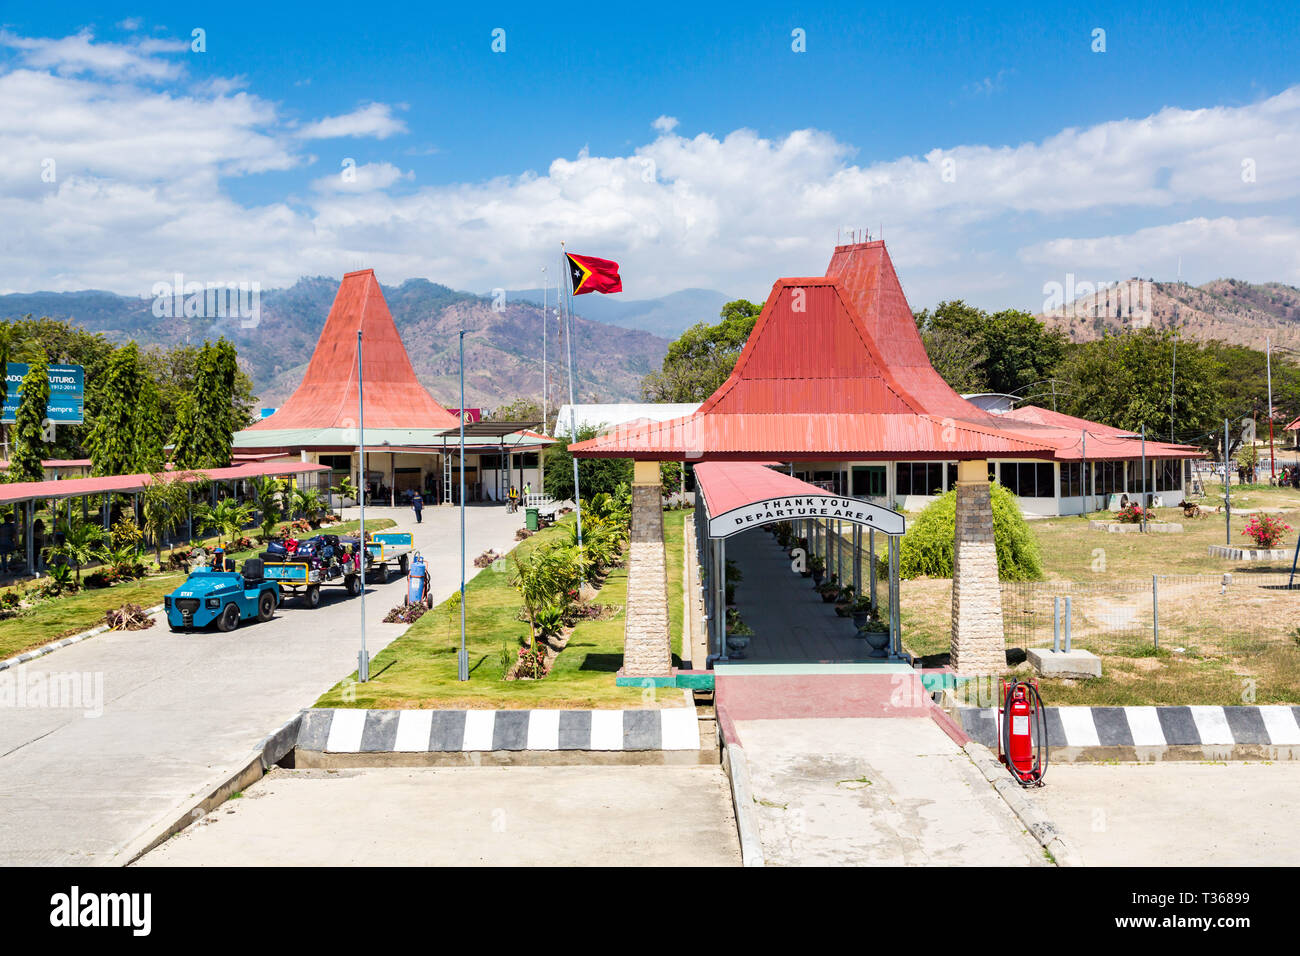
(347, 730)
(1275, 725)
(53, 646)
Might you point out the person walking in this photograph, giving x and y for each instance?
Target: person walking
(528, 489)
(418, 504)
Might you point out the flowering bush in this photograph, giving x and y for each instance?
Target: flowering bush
(1266, 531)
(532, 663)
(486, 559)
(1133, 514)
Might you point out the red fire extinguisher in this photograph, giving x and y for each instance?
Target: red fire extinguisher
(1022, 732)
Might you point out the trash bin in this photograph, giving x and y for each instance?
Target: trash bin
(530, 519)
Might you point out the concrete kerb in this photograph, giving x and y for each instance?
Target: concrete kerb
(53, 646)
(1035, 821)
(736, 766)
(269, 751)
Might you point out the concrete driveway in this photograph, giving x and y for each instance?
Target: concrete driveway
(468, 816)
(1175, 813)
(892, 791)
(181, 713)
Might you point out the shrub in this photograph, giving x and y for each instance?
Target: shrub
(926, 549)
(522, 534)
(532, 663)
(486, 559)
(1266, 531)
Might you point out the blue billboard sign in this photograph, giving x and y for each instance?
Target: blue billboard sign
(67, 404)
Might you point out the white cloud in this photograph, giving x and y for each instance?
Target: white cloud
(143, 190)
(80, 53)
(373, 119)
(363, 178)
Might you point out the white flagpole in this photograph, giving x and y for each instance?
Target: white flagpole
(545, 379)
(567, 299)
(363, 658)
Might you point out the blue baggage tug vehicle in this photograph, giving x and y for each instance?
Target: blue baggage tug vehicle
(223, 597)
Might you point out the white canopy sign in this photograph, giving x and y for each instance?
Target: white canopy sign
(806, 506)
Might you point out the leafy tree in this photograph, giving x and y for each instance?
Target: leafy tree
(1003, 352)
(126, 436)
(1124, 380)
(596, 475)
(702, 358)
(29, 429)
(520, 410)
(206, 416)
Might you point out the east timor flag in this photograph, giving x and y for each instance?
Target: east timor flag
(590, 274)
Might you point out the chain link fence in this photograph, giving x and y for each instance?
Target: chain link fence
(1236, 614)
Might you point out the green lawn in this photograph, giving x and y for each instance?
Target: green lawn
(70, 614)
(418, 670)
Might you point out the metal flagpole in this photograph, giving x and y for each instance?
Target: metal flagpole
(363, 658)
(567, 298)
(545, 380)
(462, 660)
(1145, 501)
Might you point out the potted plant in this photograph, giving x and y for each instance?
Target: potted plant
(829, 591)
(876, 633)
(860, 609)
(738, 633)
(817, 565)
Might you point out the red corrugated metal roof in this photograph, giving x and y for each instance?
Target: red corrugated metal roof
(1045, 416)
(727, 485)
(125, 484)
(835, 369)
(327, 397)
(820, 377)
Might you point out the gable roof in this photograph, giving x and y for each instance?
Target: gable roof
(327, 396)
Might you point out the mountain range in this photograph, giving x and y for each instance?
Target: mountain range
(503, 344)
(1227, 310)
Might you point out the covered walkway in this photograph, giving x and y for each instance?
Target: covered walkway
(791, 624)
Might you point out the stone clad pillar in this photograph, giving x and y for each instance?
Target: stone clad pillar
(646, 648)
(978, 644)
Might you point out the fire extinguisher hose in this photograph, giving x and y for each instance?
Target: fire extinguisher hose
(1041, 752)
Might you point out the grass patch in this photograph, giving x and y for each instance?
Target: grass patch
(1217, 646)
(418, 670)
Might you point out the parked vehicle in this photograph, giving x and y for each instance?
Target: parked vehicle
(314, 563)
(222, 597)
(389, 551)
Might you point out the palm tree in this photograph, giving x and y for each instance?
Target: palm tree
(227, 517)
(82, 541)
(164, 503)
(542, 579)
(268, 495)
(308, 503)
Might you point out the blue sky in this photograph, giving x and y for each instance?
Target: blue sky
(692, 143)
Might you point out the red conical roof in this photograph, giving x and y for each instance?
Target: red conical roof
(327, 397)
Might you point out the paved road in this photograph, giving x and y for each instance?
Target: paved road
(1176, 813)
(181, 713)
(466, 816)
(893, 791)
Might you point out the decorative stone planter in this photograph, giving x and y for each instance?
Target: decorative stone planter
(1251, 554)
(860, 618)
(877, 641)
(1119, 527)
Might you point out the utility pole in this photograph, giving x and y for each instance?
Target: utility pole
(1145, 499)
(1268, 363)
(1227, 491)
